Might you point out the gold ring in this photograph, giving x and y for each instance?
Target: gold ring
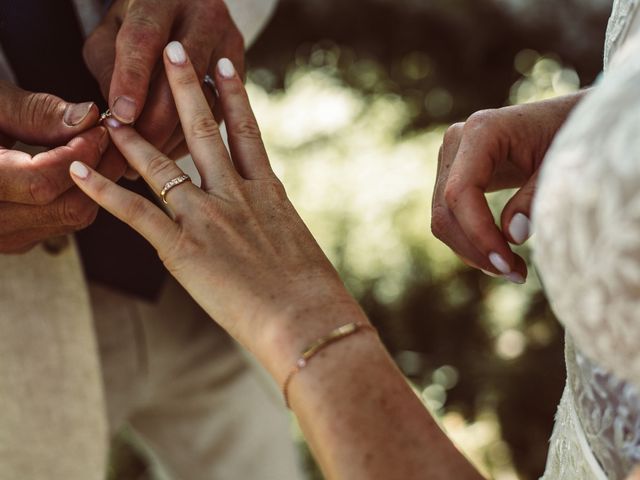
(172, 184)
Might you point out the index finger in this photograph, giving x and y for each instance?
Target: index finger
(464, 194)
(141, 39)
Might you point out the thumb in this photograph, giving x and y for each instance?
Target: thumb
(516, 223)
(43, 119)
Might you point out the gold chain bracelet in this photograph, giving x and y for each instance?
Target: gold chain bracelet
(320, 344)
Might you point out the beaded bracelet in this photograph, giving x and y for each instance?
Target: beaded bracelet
(320, 344)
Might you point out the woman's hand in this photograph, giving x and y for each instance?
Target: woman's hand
(237, 244)
(239, 247)
(494, 150)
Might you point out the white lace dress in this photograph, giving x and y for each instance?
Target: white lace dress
(587, 223)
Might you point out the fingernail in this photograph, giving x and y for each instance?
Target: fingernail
(112, 123)
(515, 278)
(79, 169)
(519, 228)
(104, 140)
(490, 274)
(176, 53)
(75, 113)
(225, 68)
(497, 261)
(125, 109)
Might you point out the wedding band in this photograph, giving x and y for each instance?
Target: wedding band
(172, 184)
(105, 115)
(209, 82)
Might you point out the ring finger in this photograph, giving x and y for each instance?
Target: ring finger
(155, 168)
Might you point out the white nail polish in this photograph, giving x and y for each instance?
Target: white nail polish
(515, 278)
(519, 228)
(79, 170)
(497, 261)
(112, 123)
(225, 68)
(176, 53)
(490, 274)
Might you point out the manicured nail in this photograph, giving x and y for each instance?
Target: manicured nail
(490, 274)
(520, 228)
(79, 169)
(515, 278)
(497, 261)
(112, 123)
(74, 114)
(225, 68)
(176, 53)
(124, 108)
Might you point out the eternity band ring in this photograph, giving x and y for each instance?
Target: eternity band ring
(172, 184)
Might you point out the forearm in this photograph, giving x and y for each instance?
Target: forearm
(363, 421)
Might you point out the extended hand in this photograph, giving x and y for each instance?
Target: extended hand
(37, 200)
(125, 55)
(237, 245)
(493, 150)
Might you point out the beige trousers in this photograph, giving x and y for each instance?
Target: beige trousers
(187, 392)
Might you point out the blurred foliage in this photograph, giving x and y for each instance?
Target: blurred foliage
(353, 108)
(353, 99)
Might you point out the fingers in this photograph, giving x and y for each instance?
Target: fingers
(517, 213)
(461, 217)
(70, 212)
(443, 222)
(39, 180)
(245, 140)
(42, 119)
(99, 52)
(155, 168)
(201, 130)
(159, 119)
(142, 215)
(142, 36)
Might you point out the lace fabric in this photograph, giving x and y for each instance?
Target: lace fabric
(609, 412)
(587, 223)
(618, 28)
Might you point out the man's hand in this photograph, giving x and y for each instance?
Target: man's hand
(37, 200)
(493, 150)
(125, 55)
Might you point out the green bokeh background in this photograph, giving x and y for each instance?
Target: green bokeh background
(353, 98)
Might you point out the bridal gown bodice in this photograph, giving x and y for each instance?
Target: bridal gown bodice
(587, 223)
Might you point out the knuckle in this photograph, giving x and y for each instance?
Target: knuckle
(160, 167)
(204, 127)
(247, 129)
(36, 107)
(141, 29)
(454, 132)
(43, 190)
(134, 70)
(79, 213)
(481, 119)
(274, 190)
(136, 208)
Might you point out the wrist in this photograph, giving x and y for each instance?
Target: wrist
(298, 326)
